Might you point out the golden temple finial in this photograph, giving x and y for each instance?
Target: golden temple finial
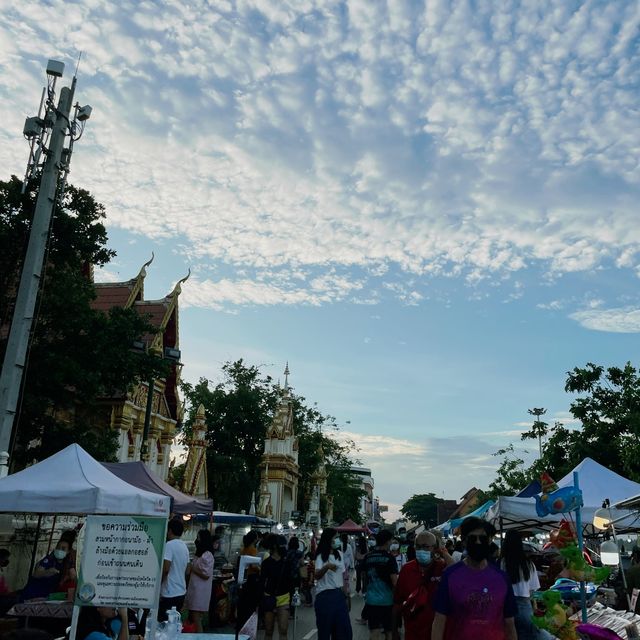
(178, 288)
(200, 411)
(143, 269)
(286, 376)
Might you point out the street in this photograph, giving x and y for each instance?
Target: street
(305, 624)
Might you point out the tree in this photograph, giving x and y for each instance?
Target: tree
(609, 415)
(422, 508)
(238, 411)
(77, 356)
(512, 475)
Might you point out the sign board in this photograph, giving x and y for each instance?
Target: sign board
(121, 562)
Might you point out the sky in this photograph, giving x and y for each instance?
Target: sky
(428, 208)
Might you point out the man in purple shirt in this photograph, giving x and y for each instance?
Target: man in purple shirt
(474, 599)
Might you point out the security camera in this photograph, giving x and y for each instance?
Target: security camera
(84, 113)
(55, 68)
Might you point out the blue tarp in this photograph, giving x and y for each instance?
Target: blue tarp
(532, 489)
(450, 525)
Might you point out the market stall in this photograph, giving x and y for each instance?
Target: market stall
(349, 526)
(139, 475)
(597, 484)
(122, 521)
(450, 525)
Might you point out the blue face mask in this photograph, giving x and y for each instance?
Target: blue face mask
(422, 556)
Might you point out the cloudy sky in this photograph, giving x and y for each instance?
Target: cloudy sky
(429, 208)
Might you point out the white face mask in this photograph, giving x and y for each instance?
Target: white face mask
(59, 554)
(371, 543)
(336, 544)
(394, 547)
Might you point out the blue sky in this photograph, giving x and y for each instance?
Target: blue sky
(428, 208)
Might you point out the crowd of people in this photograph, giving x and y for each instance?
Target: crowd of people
(420, 586)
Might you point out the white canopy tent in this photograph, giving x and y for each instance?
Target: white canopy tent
(597, 484)
(72, 482)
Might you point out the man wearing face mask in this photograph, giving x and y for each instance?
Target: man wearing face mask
(415, 589)
(55, 572)
(382, 574)
(475, 598)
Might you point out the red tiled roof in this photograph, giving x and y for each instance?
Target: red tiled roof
(154, 310)
(109, 295)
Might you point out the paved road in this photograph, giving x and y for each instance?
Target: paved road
(305, 628)
(305, 624)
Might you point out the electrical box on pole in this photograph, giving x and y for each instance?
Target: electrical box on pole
(46, 134)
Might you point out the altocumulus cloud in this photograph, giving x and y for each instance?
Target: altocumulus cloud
(307, 136)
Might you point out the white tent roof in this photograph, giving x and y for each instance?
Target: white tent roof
(71, 481)
(596, 482)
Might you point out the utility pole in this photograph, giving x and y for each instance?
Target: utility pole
(56, 166)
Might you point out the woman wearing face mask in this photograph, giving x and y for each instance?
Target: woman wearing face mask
(415, 590)
(332, 615)
(201, 579)
(475, 598)
(102, 623)
(55, 572)
(524, 580)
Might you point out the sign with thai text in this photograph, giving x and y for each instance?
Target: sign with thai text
(121, 562)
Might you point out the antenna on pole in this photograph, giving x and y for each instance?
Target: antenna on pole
(46, 134)
(75, 75)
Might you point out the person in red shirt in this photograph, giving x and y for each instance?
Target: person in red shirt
(417, 583)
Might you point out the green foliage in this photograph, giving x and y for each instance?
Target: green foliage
(238, 412)
(422, 508)
(346, 489)
(512, 475)
(608, 409)
(77, 355)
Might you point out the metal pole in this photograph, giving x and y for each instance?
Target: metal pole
(144, 453)
(34, 550)
(583, 590)
(18, 341)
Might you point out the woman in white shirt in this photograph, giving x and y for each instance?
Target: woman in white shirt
(524, 580)
(332, 615)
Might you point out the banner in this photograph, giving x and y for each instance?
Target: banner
(121, 563)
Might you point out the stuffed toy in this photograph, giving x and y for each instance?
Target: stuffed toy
(563, 536)
(579, 569)
(554, 618)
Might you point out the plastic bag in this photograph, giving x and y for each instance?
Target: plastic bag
(250, 627)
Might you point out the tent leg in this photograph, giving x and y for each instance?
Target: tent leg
(35, 546)
(53, 528)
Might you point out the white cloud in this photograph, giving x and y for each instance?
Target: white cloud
(434, 140)
(620, 320)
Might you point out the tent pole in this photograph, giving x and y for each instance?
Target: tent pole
(53, 527)
(583, 591)
(35, 546)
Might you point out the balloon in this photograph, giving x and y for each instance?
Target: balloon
(560, 501)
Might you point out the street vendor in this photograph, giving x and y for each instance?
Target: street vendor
(56, 572)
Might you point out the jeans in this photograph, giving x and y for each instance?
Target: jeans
(332, 616)
(525, 629)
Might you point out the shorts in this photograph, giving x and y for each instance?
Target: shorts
(379, 617)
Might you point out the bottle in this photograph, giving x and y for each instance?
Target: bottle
(297, 600)
(173, 618)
